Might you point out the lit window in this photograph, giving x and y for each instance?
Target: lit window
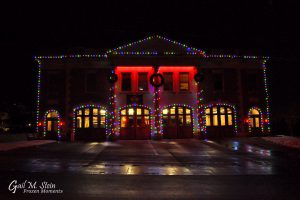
(102, 112)
(180, 110)
(208, 120)
(147, 121)
(142, 82)
(172, 110)
(49, 125)
(138, 111)
(146, 111)
(254, 118)
(86, 122)
(168, 81)
(165, 111)
(223, 121)
(123, 112)
(95, 111)
(130, 111)
(188, 111)
(95, 122)
(188, 120)
(215, 120)
(229, 120)
(102, 121)
(52, 115)
(176, 116)
(126, 81)
(123, 121)
(220, 116)
(79, 122)
(183, 81)
(91, 118)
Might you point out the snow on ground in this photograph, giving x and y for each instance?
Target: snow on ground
(283, 140)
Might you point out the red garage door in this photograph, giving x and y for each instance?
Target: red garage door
(177, 122)
(135, 123)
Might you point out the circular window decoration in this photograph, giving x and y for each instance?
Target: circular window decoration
(199, 77)
(156, 80)
(112, 78)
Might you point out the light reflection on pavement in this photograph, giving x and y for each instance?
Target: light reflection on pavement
(166, 157)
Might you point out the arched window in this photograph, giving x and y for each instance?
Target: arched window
(91, 117)
(219, 115)
(254, 118)
(135, 116)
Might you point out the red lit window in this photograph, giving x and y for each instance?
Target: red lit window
(126, 81)
(168, 85)
(183, 81)
(143, 82)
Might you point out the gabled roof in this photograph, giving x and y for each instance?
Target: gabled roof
(155, 45)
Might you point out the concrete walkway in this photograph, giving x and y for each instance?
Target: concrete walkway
(23, 144)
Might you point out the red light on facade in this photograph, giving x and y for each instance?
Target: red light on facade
(266, 121)
(61, 123)
(40, 124)
(133, 68)
(246, 120)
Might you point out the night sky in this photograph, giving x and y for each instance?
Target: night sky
(255, 27)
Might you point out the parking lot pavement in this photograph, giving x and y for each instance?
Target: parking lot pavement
(166, 157)
(23, 144)
(168, 169)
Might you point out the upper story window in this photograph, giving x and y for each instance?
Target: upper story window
(54, 84)
(251, 81)
(183, 81)
(91, 82)
(218, 81)
(168, 84)
(143, 81)
(126, 81)
(219, 116)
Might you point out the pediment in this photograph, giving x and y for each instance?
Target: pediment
(155, 45)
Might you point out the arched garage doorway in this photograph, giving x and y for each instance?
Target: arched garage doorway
(90, 123)
(220, 120)
(135, 123)
(177, 122)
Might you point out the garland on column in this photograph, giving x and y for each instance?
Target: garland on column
(201, 111)
(199, 77)
(113, 78)
(156, 81)
(267, 118)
